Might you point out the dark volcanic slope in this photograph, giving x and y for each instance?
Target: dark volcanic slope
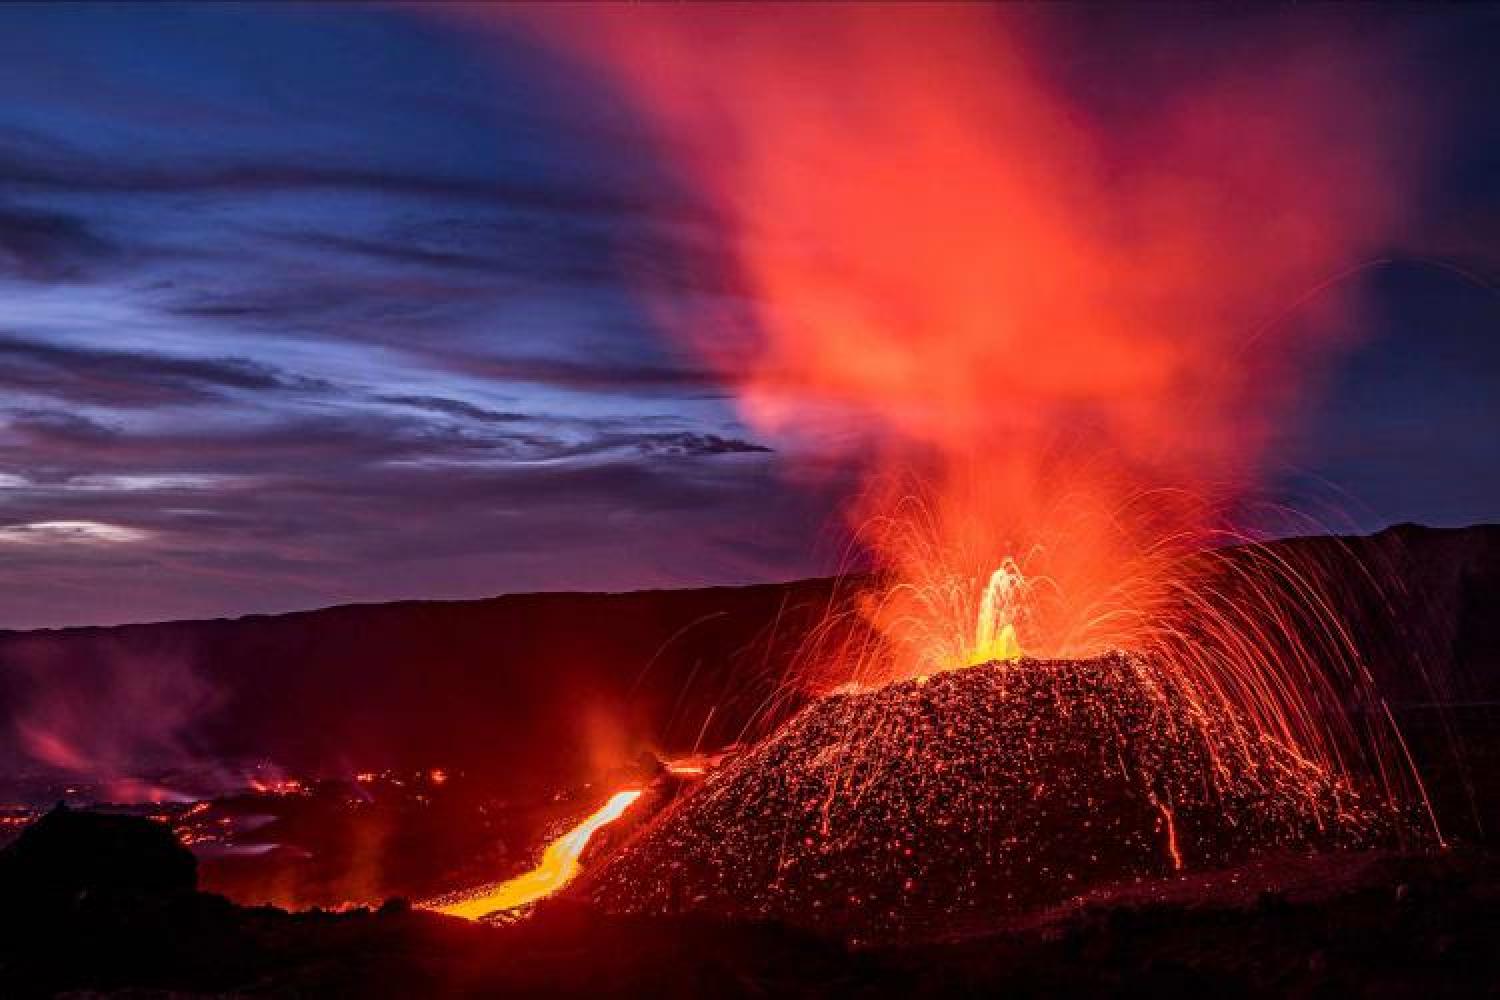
(1423, 604)
(984, 791)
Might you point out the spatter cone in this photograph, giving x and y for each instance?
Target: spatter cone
(984, 791)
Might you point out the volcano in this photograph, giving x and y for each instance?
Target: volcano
(987, 791)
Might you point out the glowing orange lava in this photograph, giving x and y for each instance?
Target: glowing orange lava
(559, 865)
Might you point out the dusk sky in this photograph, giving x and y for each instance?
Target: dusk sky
(308, 306)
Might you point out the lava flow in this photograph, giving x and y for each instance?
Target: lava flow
(559, 866)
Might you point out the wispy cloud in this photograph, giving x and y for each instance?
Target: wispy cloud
(48, 246)
(115, 377)
(70, 533)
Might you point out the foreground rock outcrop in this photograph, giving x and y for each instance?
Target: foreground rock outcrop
(70, 855)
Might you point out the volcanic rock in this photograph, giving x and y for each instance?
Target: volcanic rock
(974, 793)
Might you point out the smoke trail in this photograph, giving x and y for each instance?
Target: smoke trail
(969, 279)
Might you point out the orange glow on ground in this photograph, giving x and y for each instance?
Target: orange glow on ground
(559, 866)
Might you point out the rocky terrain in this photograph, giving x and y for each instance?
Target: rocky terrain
(1339, 924)
(434, 745)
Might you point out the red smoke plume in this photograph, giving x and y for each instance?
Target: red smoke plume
(1068, 329)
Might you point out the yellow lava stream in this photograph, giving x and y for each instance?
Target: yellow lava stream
(558, 867)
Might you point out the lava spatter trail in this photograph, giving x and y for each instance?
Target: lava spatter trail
(984, 791)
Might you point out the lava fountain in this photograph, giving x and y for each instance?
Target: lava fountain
(1055, 335)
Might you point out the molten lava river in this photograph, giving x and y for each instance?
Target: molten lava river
(559, 866)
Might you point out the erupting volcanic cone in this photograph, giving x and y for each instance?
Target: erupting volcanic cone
(988, 790)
